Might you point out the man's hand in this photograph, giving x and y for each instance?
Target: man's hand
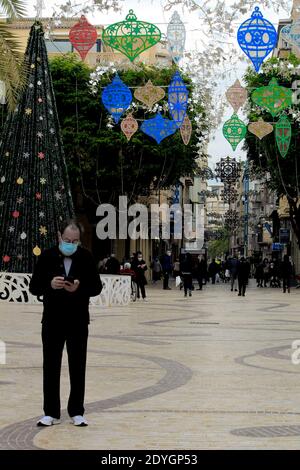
(71, 287)
(58, 282)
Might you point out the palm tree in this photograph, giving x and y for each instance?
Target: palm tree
(11, 59)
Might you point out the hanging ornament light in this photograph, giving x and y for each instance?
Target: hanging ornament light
(131, 37)
(291, 33)
(149, 94)
(116, 98)
(228, 170)
(229, 194)
(283, 132)
(83, 36)
(273, 97)
(177, 99)
(159, 128)
(257, 37)
(186, 130)
(176, 36)
(129, 126)
(236, 95)
(234, 130)
(232, 219)
(260, 128)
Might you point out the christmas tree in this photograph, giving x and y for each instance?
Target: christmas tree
(34, 186)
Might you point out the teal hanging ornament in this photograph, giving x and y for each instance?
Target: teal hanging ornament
(116, 98)
(273, 97)
(234, 130)
(176, 36)
(159, 128)
(257, 37)
(131, 37)
(283, 132)
(177, 99)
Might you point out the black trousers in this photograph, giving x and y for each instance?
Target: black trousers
(242, 286)
(166, 275)
(141, 286)
(187, 282)
(54, 338)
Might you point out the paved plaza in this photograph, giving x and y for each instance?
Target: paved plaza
(210, 372)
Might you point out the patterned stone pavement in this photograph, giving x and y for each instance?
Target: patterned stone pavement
(210, 372)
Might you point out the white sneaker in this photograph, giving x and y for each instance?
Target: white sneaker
(145, 300)
(79, 421)
(47, 421)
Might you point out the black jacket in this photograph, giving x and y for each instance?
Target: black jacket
(59, 305)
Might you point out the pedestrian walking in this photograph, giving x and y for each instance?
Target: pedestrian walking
(186, 268)
(213, 270)
(66, 276)
(201, 271)
(286, 271)
(243, 276)
(259, 274)
(233, 266)
(112, 265)
(139, 266)
(156, 270)
(167, 267)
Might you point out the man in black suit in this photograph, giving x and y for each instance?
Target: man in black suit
(66, 276)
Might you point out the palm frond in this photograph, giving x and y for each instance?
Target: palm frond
(12, 8)
(12, 66)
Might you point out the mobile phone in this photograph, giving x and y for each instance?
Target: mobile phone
(69, 279)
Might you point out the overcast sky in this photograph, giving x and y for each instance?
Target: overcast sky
(152, 11)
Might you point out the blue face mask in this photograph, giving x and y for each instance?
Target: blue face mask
(68, 249)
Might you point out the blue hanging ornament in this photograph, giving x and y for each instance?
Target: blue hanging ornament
(177, 99)
(176, 35)
(116, 98)
(257, 37)
(159, 128)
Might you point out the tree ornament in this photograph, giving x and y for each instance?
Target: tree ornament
(16, 214)
(260, 128)
(36, 251)
(186, 130)
(232, 219)
(229, 194)
(257, 37)
(23, 236)
(149, 94)
(6, 259)
(20, 180)
(129, 126)
(159, 128)
(234, 130)
(236, 95)
(177, 99)
(131, 37)
(83, 36)
(228, 170)
(41, 155)
(176, 36)
(291, 33)
(116, 98)
(38, 196)
(43, 230)
(273, 97)
(283, 132)
(2, 180)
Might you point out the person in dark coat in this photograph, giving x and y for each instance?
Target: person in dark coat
(213, 269)
(139, 266)
(112, 265)
(243, 276)
(233, 266)
(167, 268)
(201, 270)
(286, 271)
(259, 274)
(66, 276)
(186, 269)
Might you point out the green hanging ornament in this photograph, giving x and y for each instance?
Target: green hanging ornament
(234, 130)
(283, 132)
(274, 98)
(131, 37)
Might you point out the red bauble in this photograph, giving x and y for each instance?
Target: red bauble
(6, 258)
(15, 214)
(38, 196)
(83, 36)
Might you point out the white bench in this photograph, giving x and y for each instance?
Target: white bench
(14, 287)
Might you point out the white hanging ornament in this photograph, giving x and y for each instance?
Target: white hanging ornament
(2, 179)
(23, 236)
(176, 36)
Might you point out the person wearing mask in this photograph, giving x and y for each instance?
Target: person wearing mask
(66, 276)
(139, 266)
(167, 267)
